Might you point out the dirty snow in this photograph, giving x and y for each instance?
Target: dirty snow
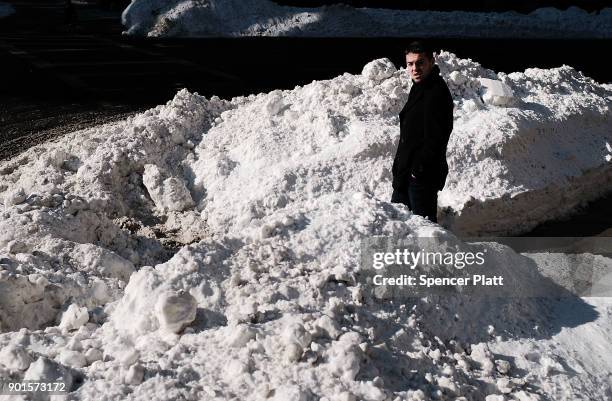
(265, 18)
(209, 249)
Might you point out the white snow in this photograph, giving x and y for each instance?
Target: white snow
(496, 92)
(265, 18)
(209, 249)
(15, 357)
(6, 9)
(176, 310)
(44, 369)
(168, 193)
(74, 317)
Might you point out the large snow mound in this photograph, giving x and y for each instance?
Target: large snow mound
(209, 249)
(515, 161)
(265, 18)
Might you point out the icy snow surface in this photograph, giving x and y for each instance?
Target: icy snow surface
(209, 249)
(266, 18)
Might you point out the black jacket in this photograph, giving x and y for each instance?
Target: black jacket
(426, 122)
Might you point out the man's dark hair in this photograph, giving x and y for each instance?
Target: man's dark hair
(419, 47)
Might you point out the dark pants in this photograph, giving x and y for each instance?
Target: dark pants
(421, 199)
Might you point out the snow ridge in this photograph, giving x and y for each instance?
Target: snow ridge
(132, 252)
(202, 18)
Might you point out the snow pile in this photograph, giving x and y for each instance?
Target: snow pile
(340, 135)
(544, 153)
(78, 219)
(209, 249)
(266, 18)
(6, 9)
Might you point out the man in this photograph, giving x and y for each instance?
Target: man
(426, 122)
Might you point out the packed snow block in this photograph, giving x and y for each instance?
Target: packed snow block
(168, 193)
(175, 310)
(74, 317)
(125, 354)
(148, 305)
(457, 78)
(134, 374)
(275, 105)
(344, 356)
(496, 92)
(135, 311)
(378, 70)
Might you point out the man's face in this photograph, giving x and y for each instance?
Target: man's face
(419, 66)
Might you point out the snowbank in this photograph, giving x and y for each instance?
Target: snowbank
(209, 249)
(534, 158)
(266, 18)
(6, 9)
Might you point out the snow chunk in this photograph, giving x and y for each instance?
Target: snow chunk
(175, 310)
(482, 355)
(378, 70)
(15, 196)
(296, 333)
(92, 355)
(328, 327)
(240, 335)
(166, 296)
(496, 93)
(275, 103)
(168, 193)
(127, 356)
(15, 357)
(74, 317)
(457, 78)
(344, 356)
(73, 359)
(135, 374)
